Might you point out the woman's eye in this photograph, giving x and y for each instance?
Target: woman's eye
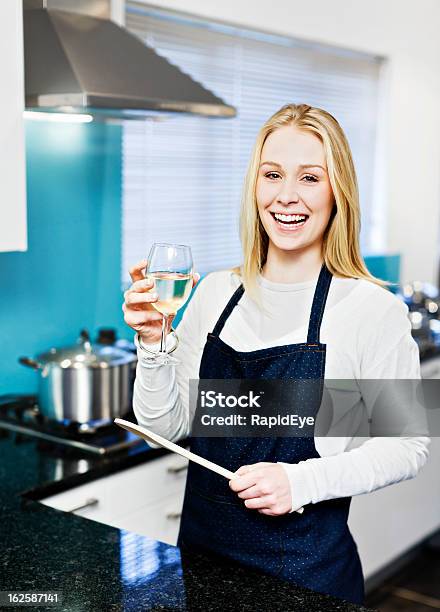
(272, 175)
(311, 178)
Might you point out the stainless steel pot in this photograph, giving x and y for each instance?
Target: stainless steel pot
(85, 382)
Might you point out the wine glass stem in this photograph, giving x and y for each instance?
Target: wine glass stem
(163, 339)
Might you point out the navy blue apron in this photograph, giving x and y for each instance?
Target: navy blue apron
(314, 549)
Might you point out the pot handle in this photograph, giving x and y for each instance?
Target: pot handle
(30, 363)
(84, 336)
(84, 339)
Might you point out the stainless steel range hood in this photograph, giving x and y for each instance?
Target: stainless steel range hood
(78, 62)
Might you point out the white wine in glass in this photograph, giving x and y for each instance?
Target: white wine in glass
(170, 266)
(173, 289)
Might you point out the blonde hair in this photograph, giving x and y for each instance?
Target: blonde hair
(341, 250)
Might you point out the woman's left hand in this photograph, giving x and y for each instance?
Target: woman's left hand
(264, 487)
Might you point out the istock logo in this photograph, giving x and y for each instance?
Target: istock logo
(209, 399)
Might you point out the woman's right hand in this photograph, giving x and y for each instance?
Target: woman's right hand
(139, 313)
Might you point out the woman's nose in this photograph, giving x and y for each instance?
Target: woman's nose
(287, 194)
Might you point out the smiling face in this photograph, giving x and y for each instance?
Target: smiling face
(293, 191)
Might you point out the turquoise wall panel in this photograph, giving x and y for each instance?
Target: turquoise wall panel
(69, 277)
(386, 267)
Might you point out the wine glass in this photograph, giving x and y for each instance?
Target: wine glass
(170, 266)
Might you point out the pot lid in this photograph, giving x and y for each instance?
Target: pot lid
(85, 354)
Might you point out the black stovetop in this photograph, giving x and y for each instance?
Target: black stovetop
(21, 415)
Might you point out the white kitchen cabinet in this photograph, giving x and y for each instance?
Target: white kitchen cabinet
(388, 522)
(146, 499)
(13, 230)
(160, 521)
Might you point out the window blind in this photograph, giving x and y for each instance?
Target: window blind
(183, 175)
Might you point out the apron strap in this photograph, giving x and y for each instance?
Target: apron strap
(318, 305)
(319, 300)
(227, 310)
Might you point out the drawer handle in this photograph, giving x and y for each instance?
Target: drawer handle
(90, 502)
(174, 516)
(176, 469)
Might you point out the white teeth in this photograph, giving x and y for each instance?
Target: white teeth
(290, 218)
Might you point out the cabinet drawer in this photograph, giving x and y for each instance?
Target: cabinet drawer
(159, 521)
(87, 500)
(126, 491)
(146, 484)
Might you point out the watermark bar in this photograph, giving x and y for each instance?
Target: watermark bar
(30, 598)
(314, 408)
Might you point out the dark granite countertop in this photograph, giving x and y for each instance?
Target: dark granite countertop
(100, 568)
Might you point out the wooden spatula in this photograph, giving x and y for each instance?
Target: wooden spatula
(150, 436)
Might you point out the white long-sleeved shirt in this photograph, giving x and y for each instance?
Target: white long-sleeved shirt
(368, 336)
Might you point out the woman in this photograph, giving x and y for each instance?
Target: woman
(302, 305)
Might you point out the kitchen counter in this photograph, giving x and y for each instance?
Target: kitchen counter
(97, 567)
